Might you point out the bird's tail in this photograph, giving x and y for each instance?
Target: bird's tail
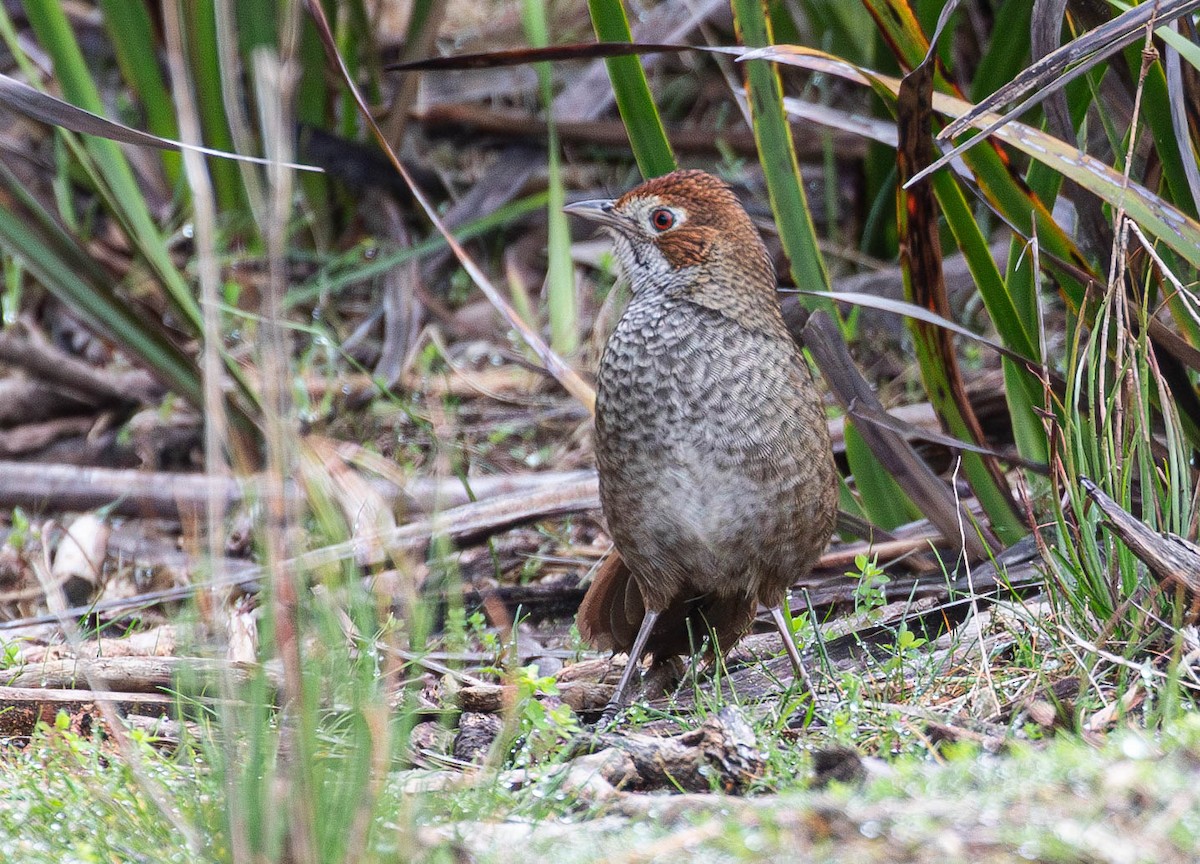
(612, 610)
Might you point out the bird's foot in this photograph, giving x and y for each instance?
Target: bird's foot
(608, 717)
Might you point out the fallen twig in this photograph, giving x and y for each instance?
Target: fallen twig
(131, 674)
(462, 524)
(22, 708)
(1170, 558)
(40, 487)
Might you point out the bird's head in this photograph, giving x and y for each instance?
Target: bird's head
(683, 232)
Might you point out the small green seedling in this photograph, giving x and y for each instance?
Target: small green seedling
(869, 594)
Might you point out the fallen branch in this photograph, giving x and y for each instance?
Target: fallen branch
(464, 524)
(132, 674)
(721, 754)
(75, 378)
(22, 708)
(1171, 559)
(41, 488)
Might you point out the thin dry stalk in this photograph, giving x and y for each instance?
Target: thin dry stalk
(984, 661)
(275, 77)
(216, 423)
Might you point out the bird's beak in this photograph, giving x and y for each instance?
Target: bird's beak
(597, 210)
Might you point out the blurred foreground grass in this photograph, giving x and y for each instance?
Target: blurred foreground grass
(1131, 799)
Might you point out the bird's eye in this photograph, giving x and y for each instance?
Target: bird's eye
(662, 219)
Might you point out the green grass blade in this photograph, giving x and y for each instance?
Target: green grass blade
(50, 231)
(560, 269)
(1023, 391)
(50, 24)
(1007, 51)
(204, 59)
(104, 310)
(114, 180)
(257, 24)
(313, 101)
(970, 240)
(840, 29)
(778, 154)
(880, 495)
(647, 136)
(132, 33)
(900, 29)
(924, 285)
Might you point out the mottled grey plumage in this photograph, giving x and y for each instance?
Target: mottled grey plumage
(715, 469)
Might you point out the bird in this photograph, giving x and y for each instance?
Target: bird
(716, 474)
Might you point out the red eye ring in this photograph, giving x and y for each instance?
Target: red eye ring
(662, 219)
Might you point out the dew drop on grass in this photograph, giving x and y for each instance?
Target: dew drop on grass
(872, 829)
(1136, 747)
(753, 841)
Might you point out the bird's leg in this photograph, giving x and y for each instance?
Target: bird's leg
(617, 702)
(789, 643)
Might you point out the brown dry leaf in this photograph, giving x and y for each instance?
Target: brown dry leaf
(1114, 711)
